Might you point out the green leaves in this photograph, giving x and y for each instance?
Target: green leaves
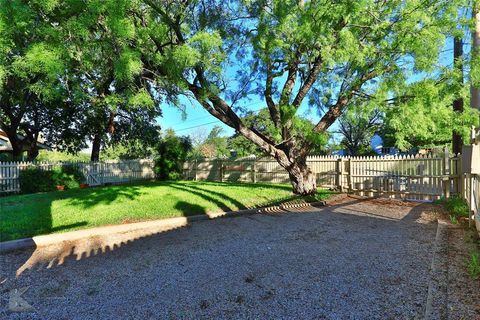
(3, 76)
(141, 99)
(426, 118)
(128, 65)
(39, 58)
(206, 49)
(46, 5)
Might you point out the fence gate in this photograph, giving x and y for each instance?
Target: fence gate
(94, 173)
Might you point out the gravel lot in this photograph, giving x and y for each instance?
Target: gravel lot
(352, 260)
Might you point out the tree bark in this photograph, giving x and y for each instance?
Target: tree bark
(16, 143)
(457, 141)
(96, 145)
(31, 138)
(302, 179)
(17, 151)
(32, 152)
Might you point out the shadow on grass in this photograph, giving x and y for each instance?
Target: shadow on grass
(284, 187)
(31, 215)
(190, 209)
(205, 193)
(105, 195)
(222, 205)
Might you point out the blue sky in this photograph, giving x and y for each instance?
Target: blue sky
(198, 119)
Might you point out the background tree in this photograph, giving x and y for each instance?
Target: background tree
(475, 58)
(426, 118)
(457, 139)
(357, 126)
(210, 145)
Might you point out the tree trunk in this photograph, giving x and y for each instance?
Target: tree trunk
(303, 180)
(301, 177)
(17, 152)
(457, 141)
(32, 152)
(32, 139)
(16, 143)
(96, 145)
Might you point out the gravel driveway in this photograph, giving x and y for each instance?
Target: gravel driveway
(352, 260)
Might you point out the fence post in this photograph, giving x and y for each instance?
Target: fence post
(348, 172)
(195, 166)
(471, 202)
(254, 171)
(221, 169)
(340, 174)
(446, 174)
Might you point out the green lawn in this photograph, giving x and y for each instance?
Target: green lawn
(34, 214)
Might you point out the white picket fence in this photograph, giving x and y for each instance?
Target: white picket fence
(406, 177)
(96, 173)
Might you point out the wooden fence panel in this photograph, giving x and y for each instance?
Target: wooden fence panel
(420, 178)
(96, 173)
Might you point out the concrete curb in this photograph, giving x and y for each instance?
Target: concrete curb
(140, 229)
(437, 298)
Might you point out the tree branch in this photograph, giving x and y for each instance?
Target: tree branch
(312, 76)
(344, 98)
(272, 107)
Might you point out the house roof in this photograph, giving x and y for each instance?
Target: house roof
(6, 146)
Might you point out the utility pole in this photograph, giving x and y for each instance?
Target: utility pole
(457, 141)
(474, 89)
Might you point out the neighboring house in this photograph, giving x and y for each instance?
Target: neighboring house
(376, 143)
(339, 153)
(6, 147)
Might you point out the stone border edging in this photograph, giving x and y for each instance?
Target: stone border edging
(146, 227)
(437, 297)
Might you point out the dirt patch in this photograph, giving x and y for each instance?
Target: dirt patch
(463, 290)
(392, 202)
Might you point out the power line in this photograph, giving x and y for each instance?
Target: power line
(208, 115)
(204, 124)
(200, 125)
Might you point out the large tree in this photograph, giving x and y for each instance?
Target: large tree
(112, 102)
(68, 71)
(289, 51)
(31, 69)
(330, 55)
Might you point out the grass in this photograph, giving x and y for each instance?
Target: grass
(43, 213)
(474, 266)
(457, 207)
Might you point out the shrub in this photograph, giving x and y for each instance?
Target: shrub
(457, 207)
(171, 153)
(69, 176)
(34, 179)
